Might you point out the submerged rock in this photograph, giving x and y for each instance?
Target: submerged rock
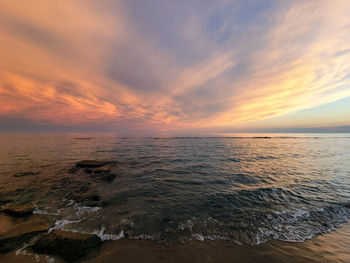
(108, 177)
(91, 200)
(22, 233)
(101, 170)
(97, 169)
(18, 210)
(93, 197)
(67, 245)
(101, 173)
(90, 164)
(25, 174)
(4, 202)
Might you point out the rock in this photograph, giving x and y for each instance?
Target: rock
(18, 210)
(94, 197)
(97, 169)
(166, 219)
(23, 233)
(89, 171)
(84, 188)
(90, 164)
(169, 230)
(91, 200)
(73, 170)
(97, 203)
(4, 202)
(108, 177)
(25, 174)
(78, 197)
(67, 245)
(103, 174)
(102, 171)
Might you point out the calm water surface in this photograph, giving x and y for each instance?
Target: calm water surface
(247, 190)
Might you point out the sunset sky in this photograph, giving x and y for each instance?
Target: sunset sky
(174, 66)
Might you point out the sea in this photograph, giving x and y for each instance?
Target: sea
(243, 188)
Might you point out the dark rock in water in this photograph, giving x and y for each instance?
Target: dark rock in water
(102, 171)
(108, 177)
(4, 202)
(95, 168)
(92, 204)
(73, 170)
(89, 171)
(90, 164)
(91, 200)
(97, 171)
(169, 230)
(84, 188)
(22, 233)
(67, 245)
(166, 219)
(25, 174)
(78, 197)
(103, 174)
(96, 203)
(18, 210)
(94, 197)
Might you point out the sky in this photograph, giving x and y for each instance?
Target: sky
(134, 66)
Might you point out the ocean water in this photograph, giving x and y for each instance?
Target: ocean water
(244, 189)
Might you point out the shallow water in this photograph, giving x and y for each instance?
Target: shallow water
(247, 190)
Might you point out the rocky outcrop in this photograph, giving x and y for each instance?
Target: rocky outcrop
(108, 177)
(25, 174)
(4, 202)
(67, 245)
(96, 169)
(22, 233)
(18, 210)
(90, 164)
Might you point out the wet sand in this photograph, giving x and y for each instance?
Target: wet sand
(331, 247)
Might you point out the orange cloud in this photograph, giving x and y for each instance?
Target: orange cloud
(81, 62)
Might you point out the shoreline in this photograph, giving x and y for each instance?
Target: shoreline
(330, 247)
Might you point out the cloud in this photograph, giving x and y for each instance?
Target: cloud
(170, 64)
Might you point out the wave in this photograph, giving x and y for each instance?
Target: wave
(292, 225)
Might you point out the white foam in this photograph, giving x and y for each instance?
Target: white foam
(198, 237)
(59, 224)
(38, 211)
(87, 209)
(103, 236)
(49, 260)
(37, 257)
(147, 236)
(71, 202)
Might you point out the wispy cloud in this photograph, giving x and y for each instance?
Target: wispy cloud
(171, 63)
